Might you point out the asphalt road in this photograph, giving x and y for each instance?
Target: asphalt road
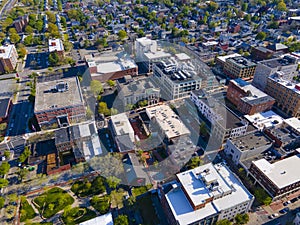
(8, 6)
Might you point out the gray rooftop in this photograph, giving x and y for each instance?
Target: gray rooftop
(285, 61)
(58, 94)
(251, 141)
(241, 62)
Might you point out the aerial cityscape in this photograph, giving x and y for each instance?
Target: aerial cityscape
(131, 112)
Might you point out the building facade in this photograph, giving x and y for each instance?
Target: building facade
(247, 98)
(175, 78)
(225, 124)
(287, 66)
(279, 179)
(204, 195)
(286, 94)
(59, 102)
(8, 58)
(239, 67)
(56, 45)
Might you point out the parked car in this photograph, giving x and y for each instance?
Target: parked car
(284, 210)
(287, 203)
(294, 200)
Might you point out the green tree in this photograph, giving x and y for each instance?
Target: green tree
(7, 154)
(7, 22)
(51, 17)
(39, 25)
(113, 182)
(213, 6)
(25, 154)
(122, 34)
(262, 197)
(96, 87)
(247, 17)
(53, 30)
(194, 162)
(223, 222)
(241, 218)
(22, 173)
(63, 21)
(4, 168)
(111, 83)
(22, 52)
(28, 40)
(29, 29)
(281, 6)
(245, 7)
(53, 58)
(102, 109)
(2, 202)
(261, 36)
(121, 220)
(3, 182)
(14, 38)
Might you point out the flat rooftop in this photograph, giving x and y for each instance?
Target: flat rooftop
(241, 62)
(255, 96)
(266, 119)
(278, 62)
(105, 219)
(251, 141)
(58, 94)
(5, 51)
(282, 173)
(294, 123)
(121, 124)
(200, 184)
(225, 57)
(137, 87)
(295, 87)
(179, 71)
(55, 45)
(167, 120)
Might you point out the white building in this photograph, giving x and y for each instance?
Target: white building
(56, 45)
(279, 179)
(268, 119)
(225, 124)
(121, 126)
(247, 146)
(168, 122)
(147, 52)
(204, 195)
(105, 219)
(286, 66)
(176, 76)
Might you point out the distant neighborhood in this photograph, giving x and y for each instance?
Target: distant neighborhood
(137, 112)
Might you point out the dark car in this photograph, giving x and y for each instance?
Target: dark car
(294, 200)
(284, 210)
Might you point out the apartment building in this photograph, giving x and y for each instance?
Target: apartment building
(279, 179)
(204, 195)
(239, 67)
(21, 23)
(8, 58)
(148, 52)
(287, 66)
(59, 102)
(225, 124)
(286, 93)
(176, 77)
(247, 98)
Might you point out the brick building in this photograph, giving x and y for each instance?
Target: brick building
(239, 67)
(110, 66)
(8, 58)
(279, 179)
(247, 98)
(21, 23)
(261, 53)
(5, 106)
(59, 102)
(286, 94)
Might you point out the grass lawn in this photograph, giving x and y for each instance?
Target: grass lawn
(77, 215)
(144, 204)
(52, 201)
(27, 211)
